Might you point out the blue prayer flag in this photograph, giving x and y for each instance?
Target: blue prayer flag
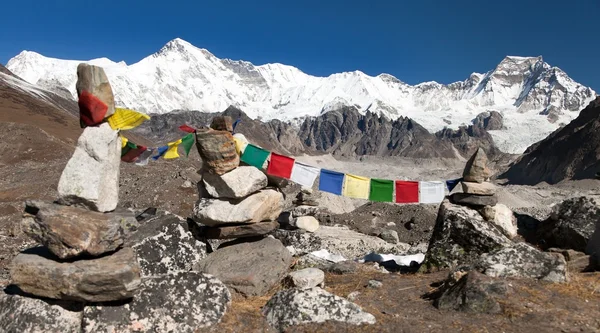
(451, 184)
(161, 151)
(331, 181)
(235, 123)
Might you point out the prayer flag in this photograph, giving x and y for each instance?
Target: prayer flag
(451, 184)
(303, 174)
(382, 190)
(280, 166)
(331, 181)
(255, 156)
(161, 151)
(356, 187)
(125, 119)
(172, 151)
(144, 157)
(128, 146)
(240, 143)
(431, 192)
(407, 191)
(124, 141)
(187, 128)
(235, 123)
(133, 154)
(91, 109)
(187, 142)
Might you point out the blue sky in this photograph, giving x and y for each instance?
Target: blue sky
(413, 40)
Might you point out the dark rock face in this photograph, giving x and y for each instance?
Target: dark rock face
(467, 139)
(472, 293)
(568, 153)
(492, 120)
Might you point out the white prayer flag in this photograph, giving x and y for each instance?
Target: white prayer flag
(431, 192)
(304, 175)
(144, 157)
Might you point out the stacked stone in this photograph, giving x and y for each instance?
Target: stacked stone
(303, 215)
(235, 201)
(82, 257)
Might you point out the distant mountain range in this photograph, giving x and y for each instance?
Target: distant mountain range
(533, 97)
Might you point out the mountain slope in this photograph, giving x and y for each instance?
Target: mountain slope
(572, 152)
(534, 97)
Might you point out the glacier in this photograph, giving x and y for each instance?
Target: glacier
(534, 97)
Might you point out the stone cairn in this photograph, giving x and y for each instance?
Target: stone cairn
(82, 258)
(235, 201)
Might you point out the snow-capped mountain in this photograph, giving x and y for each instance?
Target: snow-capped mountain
(533, 97)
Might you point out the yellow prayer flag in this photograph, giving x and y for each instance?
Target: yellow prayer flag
(356, 187)
(172, 151)
(123, 141)
(240, 145)
(124, 119)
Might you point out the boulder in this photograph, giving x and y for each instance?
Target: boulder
(250, 268)
(181, 302)
(237, 183)
(26, 314)
(390, 236)
(476, 169)
(217, 150)
(307, 278)
(484, 188)
(473, 200)
(338, 241)
(266, 205)
(472, 293)
(292, 307)
(70, 231)
(487, 212)
(343, 267)
(522, 260)
(307, 223)
(91, 177)
(460, 236)
(571, 224)
(165, 244)
(109, 278)
(92, 79)
(576, 261)
(593, 248)
(505, 220)
(240, 231)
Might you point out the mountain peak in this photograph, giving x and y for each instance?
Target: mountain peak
(180, 46)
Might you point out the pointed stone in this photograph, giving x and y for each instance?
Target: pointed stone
(93, 80)
(476, 169)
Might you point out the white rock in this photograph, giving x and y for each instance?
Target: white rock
(505, 220)
(390, 236)
(307, 278)
(390, 224)
(91, 177)
(307, 223)
(237, 183)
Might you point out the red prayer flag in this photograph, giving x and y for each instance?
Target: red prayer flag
(187, 128)
(133, 154)
(280, 166)
(91, 109)
(407, 191)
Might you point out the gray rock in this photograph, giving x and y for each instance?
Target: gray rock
(484, 188)
(390, 236)
(374, 284)
(26, 314)
(487, 212)
(240, 231)
(70, 231)
(353, 296)
(522, 260)
(307, 278)
(92, 79)
(460, 236)
(292, 307)
(250, 268)
(181, 303)
(306, 210)
(265, 205)
(343, 267)
(307, 223)
(91, 177)
(473, 199)
(166, 245)
(109, 278)
(309, 260)
(473, 293)
(476, 169)
(237, 183)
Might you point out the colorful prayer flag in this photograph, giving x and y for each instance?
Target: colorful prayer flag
(161, 151)
(187, 128)
(187, 142)
(356, 186)
(125, 119)
(144, 157)
(133, 154)
(280, 166)
(235, 123)
(451, 184)
(91, 109)
(303, 174)
(124, 141)
(407, 191)
(240, 143)
(331, 181)
(382, 190)
(172, 151)
(431, 192)
(255, 156)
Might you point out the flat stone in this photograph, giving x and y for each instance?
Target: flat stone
(109, 278)
(473, 199)
(181, 302)
(307, 223)
(293, 307)
(390, 236)
(306, 210)
(476, 169)
(484, 188)
(70, 231)
(250, 268)
(240, 231)
(307, 278)
(91, 177)
(265, 205)
(92, 79)
(217, 150)
(237, 183)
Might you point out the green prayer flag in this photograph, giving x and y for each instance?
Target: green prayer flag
(255, 156)
(187, 142)
(382, 190)
(128, 146)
